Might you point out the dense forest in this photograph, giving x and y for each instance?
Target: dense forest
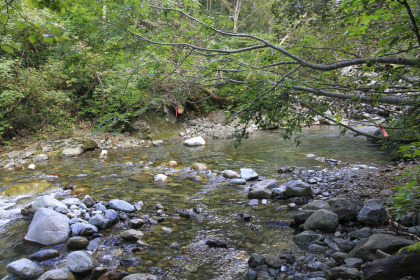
(107, 62)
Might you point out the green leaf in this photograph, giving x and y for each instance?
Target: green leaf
(3, 18)
(20, 24)
(34, 38)
(7, 49)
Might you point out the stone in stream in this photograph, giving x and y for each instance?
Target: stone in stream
(39, 158)
(83, 229)
(81, 262)
(111, 215)
(316, 205)
(323, 220)
(48, 228)
(131, 235)
(231, 174)
(372, 213)
(121, 205)
(46, 201)
(25, 268)
(213, 243)
(296, 188)
(257, 193)
(256, 260)
(238, 181)
(77, 242)
(196, 141)
(88, 201)
(301, 216)
(367, 247)
(57, 274)
(160, 178)
(248, 174)
(44, 255)
(140, 276)
(72, 152)
(100, 221)
(266, 184)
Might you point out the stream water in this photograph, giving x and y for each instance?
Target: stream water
(220, 202)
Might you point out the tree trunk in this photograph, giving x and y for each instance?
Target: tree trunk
(236, 9)
(394, 267)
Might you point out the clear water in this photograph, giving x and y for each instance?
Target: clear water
(103, 179)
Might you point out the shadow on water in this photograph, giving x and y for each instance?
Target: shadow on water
(221, 203)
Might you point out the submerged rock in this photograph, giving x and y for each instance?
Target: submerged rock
(48, 228)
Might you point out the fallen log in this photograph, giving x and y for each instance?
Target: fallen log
(404, 263)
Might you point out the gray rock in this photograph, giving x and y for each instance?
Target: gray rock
(140, 276)
(301, 216)
(266, 184)
(48, 228)
(77, 242)
(306, 238)
(121, 205)
(196, 141)
(25, 268)
(131, 235)
(318, 266)
(44, 255)
(46, 201)
(238, 181)
(57, 274)
(81, 262)
(346, 210)
(88, 201)
(280, 191)
(367, 247)
(248, 174)
(39, 158)
(256, 260)
(230, 174)
(12, 276)
(257, 193)
(137, 223)
(361, 233)
(415, 230)
(100, 207)
(342, 272)
(100, 221)
(72, 152)
(345, 245)
(317, 249)
(340, 257)
(354, 262)
(323, 220)
(72, 201)
(157, 143)
(296, 188)
(83, 229)
(111, 215)
(372, 213)
(316, 205)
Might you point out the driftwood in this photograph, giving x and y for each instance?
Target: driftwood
(403, 264)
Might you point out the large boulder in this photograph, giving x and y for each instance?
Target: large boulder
(346, 210)
(156, 125)
(323, 220)
(296, 188)
(25, 268)
(121, 205)
(48, 228)
(81, 262)
(46, 201)
(259, 193)
(367, 247)
(372, 213)
(196, 141)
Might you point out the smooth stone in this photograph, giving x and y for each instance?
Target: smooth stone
(301, 216)
(83, 229)
(339, 257)
(323, 220)
(256, 260)
(296, 188)
(248, 174)
(157, 143)
(131, 235)
(44, 255)
(140, 276)
(111, 215)
(212, 243)
(57, 274)
(196, 141)
(160, 178)
(121, 205)
(46, 201)
(100, 221)
(354, 262)
(266, 184)
(25, 268)
(361, 233)
(72, 152)
(40, 158)
(81, 262)
(48, 228)
(259, 193)
(238, 182)
(77, 242)
(231, 174)
(137, 223)
(316, 205)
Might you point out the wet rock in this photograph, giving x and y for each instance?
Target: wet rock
(257, 193)
(57, 274)
(317, 249)
(81, 262)
(100, 221)
(160, 179)
(137, 223)
(121, 205)
(346, 210)
(131, 235)
(248, 174)
(140, 276)
(100, 207)
(213, 243)
(372, 213)
(111, 215)
(361, 233)
(72, 152)
(25, 268)
(44, 255)
(340, 257)
(316, 205)
(306, 238)
(323, 220)
(345, 245)
(317, 266)
(366, 248)
(83, 229)
(196, 141)
(266, 184)
(238, 182)
(296, 188)
(256, 260)
(354, 262)
(301, 216)
(88, 201)
(130, 261)
(231, 174)
(40, 158)
(48, 228)
(46, 201)
(77, 242)
(251, 275)
(342, 272)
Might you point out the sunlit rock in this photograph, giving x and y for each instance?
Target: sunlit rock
(196, 141)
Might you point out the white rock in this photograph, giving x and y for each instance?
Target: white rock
(104, 154)
(46, 201)
(31, 166)
(160, 178)
(71, 152)
(196, 141)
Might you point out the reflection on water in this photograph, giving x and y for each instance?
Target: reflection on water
(265, 152)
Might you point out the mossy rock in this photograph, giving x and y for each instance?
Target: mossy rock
(28, 189)
(156, 125)
(88, 144)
